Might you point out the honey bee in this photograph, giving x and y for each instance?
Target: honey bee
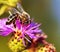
(21, 15)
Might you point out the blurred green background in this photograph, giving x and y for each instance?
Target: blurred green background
(43, 12)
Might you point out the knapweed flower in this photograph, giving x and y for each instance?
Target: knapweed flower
(31, 29)
(47, 48)
(7, 4)
(16, 45)
(43, 48)
(25, 33)
(17, 42)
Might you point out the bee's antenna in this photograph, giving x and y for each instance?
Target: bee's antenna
(10, 12)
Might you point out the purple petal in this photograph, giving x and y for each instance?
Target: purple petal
(37, 31)
(18, 25)
(5, 29)
(30, 35)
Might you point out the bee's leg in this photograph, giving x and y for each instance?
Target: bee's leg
(20, 20)
(14, 23)
(28, 40)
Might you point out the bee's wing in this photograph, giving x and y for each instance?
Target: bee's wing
(13, 11)
(20, 8)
